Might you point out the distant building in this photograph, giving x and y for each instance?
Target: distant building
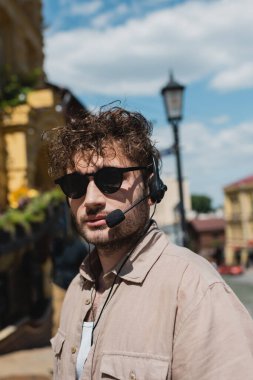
(23, 162)
(167, 212)
(239, 221)
(207, 237)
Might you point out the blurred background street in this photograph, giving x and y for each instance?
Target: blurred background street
(34, 364)
(242, 285)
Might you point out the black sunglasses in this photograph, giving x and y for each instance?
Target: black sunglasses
(108, 180)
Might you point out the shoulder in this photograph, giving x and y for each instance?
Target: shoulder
(192, 264)
(186, 274)
(199, 288)
(195, 275)
(179, 262)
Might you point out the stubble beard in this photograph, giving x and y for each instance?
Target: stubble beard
(123, 235)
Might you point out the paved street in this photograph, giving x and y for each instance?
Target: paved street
(35, 364)
(242, 285)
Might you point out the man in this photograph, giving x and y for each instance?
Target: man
(141, 307)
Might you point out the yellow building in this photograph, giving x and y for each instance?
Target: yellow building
(20, 35)
(32, 107)
(238, 210)
(43, 106)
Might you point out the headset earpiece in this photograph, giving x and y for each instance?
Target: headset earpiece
(156, 185)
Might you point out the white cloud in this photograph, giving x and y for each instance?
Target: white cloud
(220, 120)
(234, 78)
(211, 158)
(104, 19)
(196, 39)
(86, 8)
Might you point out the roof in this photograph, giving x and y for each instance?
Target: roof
(244, 181)
(208, 225)
(72, 107)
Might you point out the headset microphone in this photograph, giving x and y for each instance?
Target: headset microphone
(117, 216)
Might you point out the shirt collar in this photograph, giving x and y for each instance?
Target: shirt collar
(140, 260)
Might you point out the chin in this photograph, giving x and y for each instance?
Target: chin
(96, 236)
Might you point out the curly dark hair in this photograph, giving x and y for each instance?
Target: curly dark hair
(91, 134)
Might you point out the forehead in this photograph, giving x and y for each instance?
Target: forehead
(111, 155)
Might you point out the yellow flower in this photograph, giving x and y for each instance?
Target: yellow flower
(17, 197)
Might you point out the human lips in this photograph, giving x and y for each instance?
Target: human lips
(96, 221)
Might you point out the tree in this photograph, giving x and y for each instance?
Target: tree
(201, 203)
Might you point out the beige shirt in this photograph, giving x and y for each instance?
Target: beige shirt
(170, 316)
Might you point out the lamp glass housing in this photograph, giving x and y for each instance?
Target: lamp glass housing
(173, 100)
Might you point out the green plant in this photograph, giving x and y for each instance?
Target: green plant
(34, 212)
(201, 203)
(14, 88)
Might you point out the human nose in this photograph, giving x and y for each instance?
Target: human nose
(94, 197)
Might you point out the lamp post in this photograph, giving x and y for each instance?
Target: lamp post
(172, 95)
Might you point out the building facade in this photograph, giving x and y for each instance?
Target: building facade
(238, 210)
(21, 39)
(207, 237)
(34, 107)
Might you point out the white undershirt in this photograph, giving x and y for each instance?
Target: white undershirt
(84, 347)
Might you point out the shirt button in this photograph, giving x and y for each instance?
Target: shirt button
(87, 302)
(132, 376)
(73, 350)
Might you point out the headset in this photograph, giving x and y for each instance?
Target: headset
(156, 186)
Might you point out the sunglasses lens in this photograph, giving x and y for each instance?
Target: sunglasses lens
(74, 185)
(109, 180)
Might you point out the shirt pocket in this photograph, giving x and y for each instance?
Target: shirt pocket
(57, 343)
(134, 367)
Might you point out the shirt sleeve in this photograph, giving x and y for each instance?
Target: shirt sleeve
(215, 339)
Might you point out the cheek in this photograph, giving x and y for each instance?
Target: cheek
(75, 205)
(129, 192)
(140, 191)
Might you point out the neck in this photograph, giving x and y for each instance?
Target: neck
(112, 254)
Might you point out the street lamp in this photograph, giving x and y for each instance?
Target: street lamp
(172, 95)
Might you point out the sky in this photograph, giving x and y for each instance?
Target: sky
(124, 50)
